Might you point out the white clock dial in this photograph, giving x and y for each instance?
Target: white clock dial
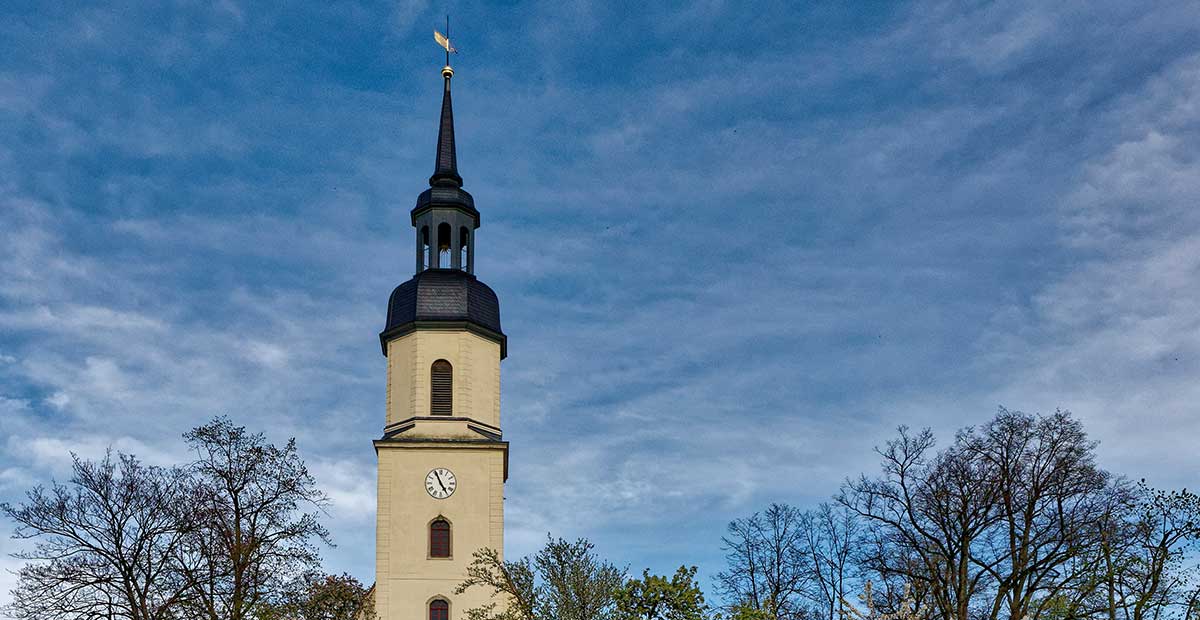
(440, 483)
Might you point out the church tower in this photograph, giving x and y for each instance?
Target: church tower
(442, 460)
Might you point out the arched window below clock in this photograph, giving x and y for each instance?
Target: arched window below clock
(439, 538)
(439, 609)
(441, 392)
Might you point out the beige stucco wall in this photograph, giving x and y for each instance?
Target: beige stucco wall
(476, 362)
(406, 577)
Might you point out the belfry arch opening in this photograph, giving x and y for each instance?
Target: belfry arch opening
(423, 247)
(444, 244)
(464, 249)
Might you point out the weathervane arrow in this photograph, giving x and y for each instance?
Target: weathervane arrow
(444, 41)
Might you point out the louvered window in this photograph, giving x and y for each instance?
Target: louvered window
(441, 379)
(439, 610)
(439, 539)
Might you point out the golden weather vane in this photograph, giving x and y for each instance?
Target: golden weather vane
(444, 41)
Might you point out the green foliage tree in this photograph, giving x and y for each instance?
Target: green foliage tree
(655, 597)
(563, 581)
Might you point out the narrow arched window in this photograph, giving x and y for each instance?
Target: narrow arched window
(441, 388)
(439, 610)
(439, 539)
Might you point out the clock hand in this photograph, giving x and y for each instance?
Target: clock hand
(439, 479)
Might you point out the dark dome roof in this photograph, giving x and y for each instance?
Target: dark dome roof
(446, 296)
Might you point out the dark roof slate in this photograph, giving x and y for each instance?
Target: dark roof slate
(443, 295)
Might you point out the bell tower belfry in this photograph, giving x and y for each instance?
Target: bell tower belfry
(442, 460)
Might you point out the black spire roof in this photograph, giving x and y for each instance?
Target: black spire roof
(445, 186)
(446, 168)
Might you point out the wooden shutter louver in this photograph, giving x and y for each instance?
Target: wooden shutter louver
(441, 380)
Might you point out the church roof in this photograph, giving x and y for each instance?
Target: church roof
(444, 296)
(441, 298)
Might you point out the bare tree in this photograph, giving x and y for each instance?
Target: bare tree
(1050, 496)
(829, 543)
(766, 568)
(318, 596)
(256, 536)
(928, 515)
(104, 544)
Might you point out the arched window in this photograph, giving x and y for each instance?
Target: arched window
(439, 539)
(443, 240)
(439, 610)
(441, 388)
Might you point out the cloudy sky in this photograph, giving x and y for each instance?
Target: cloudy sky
(735, 244)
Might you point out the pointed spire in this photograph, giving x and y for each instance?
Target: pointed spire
(446, 169)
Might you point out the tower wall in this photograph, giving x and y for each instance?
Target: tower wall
(476, 362)
(467, 443)
(406, 577)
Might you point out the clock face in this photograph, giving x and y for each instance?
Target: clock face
(440, 483)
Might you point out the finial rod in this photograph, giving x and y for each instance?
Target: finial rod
(444, 41)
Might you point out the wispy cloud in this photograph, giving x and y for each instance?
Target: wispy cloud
(727, 270)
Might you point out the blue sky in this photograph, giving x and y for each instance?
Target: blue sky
(735, 244)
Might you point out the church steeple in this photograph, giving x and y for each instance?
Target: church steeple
(446, 168)
(444, 289)
(445, 215)
(443, 460)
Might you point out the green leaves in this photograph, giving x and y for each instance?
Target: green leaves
(568, 581)
(654, 597)
(563, 581)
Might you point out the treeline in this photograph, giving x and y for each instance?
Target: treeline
(1014, 519)
(1011, 520)
(232, 535)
